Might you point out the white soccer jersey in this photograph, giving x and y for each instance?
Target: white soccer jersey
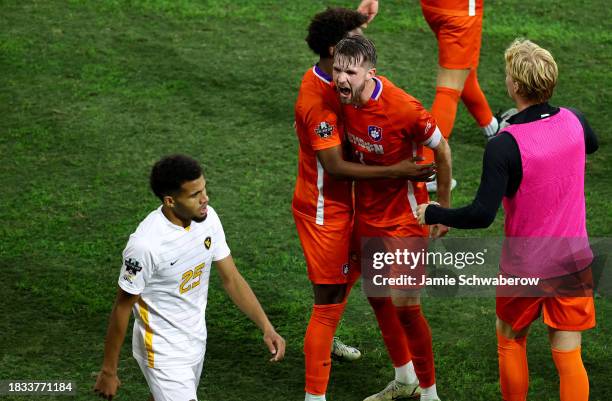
(169, 266)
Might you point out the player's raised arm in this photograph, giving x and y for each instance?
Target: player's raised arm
(243, 297)
(334, 165)
(107, 381)
(368, 8)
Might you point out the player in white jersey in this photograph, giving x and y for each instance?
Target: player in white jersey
(164, 281)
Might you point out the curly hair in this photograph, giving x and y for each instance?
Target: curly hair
(328, 27)
(170, 172)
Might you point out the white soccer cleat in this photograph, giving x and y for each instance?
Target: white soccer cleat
(432, 186)
(342, 351)
(502, 122)
(396, 391)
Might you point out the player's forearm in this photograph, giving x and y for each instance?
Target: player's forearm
(244, 298)
(442, 155)
(357, 171)
(115, 335)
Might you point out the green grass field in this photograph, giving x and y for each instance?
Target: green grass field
(92, 93)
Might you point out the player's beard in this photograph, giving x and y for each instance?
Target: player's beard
(199, 219)
(355, 95)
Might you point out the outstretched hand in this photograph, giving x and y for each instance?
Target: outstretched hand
(368, 8)
(276, 345)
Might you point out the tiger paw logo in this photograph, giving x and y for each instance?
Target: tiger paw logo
(324, 130)
(207, 242)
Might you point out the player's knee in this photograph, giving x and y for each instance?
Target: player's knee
(451, 78)
(326, 294)
(564, 340)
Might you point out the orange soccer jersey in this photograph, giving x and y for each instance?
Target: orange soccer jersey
(322, 205)
(391, 127)
(317, 196)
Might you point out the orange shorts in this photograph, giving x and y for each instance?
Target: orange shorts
(326, 250)
(459, 39)
(561, 313)
(367, 238)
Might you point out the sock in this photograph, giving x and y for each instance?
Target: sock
(475, 100)
(312, 397)
(405, 374)
(429, 393)
(513, 369)
(572, 375)
(392, 331)
(444, 110)
(318, 344)
(418, 334)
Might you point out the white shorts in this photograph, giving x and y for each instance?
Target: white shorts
(176, 383)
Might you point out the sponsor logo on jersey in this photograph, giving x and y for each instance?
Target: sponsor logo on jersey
(428, 127)
(324, 130)
(207, 242)
(365, 145)
(375, 133)
(132, 266)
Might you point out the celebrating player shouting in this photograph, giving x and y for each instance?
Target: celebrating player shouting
(164, 281)
(457, 25)
(383, 124)
(322, 201)
(536, 166)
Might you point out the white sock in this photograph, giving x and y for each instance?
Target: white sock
(429, 393)
(491, 128)
(405, 374)
(312, 397)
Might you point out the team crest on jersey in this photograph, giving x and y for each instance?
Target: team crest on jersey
(375, 133)
(345, 269)
(207, 242)
(324, 130)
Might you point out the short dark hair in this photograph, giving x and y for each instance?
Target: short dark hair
(328, 27)
(170, 172)
(357, 49)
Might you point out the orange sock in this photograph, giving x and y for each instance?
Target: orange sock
(318, 344)
(475, 100)
(513, 369)
(418, 335)
(572, 375)
(392, 331)
(444, 110)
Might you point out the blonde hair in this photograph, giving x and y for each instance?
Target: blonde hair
(533, 69)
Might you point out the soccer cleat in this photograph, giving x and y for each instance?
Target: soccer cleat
(432, 186)
(396, 391)
(342, 351)
(502, 121)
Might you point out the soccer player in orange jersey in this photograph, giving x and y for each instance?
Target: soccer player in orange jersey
(384, 123)
(457, 25)
(322, 201)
